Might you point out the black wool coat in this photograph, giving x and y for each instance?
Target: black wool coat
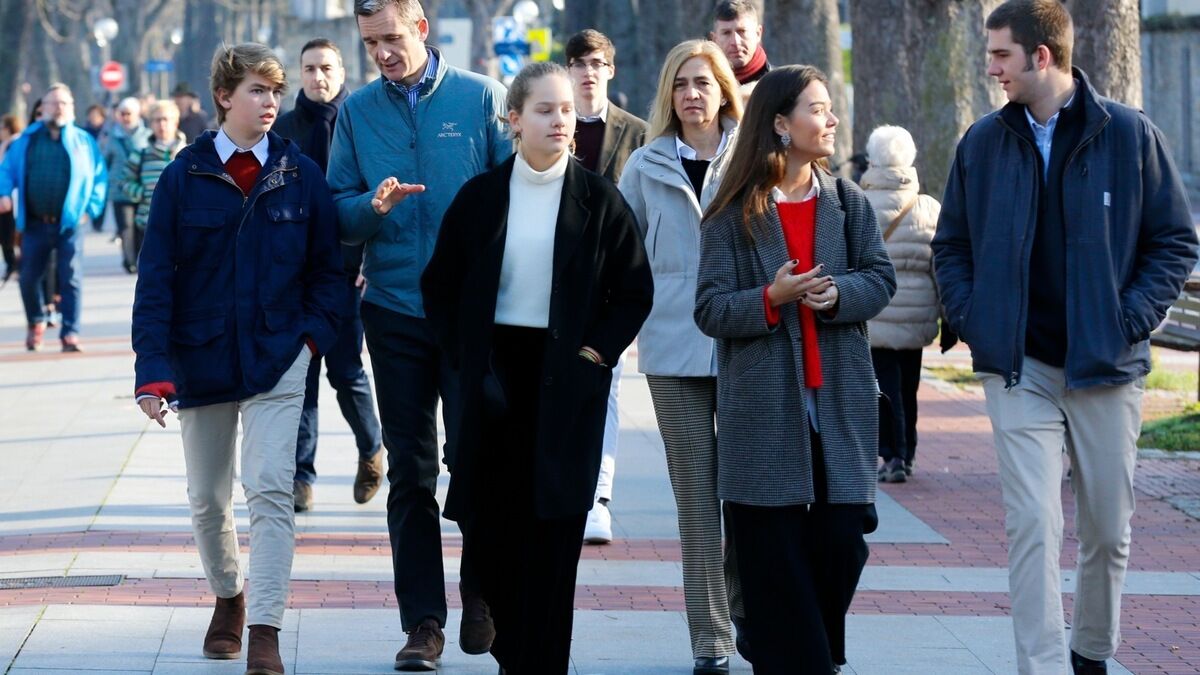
(601, 292)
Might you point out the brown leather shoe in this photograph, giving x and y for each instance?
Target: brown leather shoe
(224, 637)
(302, 494)
(369, 477)
(476, 631)
(264, 651)
(423, 649)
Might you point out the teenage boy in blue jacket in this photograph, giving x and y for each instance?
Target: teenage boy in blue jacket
(240, 284)
(1064, 236)
(435, 126)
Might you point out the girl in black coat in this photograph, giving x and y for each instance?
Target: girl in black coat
(538, 283)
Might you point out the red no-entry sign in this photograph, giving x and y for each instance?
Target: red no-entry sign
(112, 76)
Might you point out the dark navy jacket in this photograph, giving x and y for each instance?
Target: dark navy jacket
(1130, 241)
(230, 286)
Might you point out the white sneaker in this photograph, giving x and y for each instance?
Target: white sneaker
(599, 525)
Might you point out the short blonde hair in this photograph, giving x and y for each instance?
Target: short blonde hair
(231, 65)
(663, 120)
(168, 106)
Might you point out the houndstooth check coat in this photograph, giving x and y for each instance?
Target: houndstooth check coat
(763, 445)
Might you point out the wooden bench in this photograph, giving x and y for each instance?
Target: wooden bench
(1181, 329)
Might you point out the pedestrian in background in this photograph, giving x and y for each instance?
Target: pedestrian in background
(694, 118)
(95, 121)
(59, 173)
(738, 31)
(128, 136)
(10, 129)
(907, 219)
(310, 126)
(1065, 236)
(241, 257)
(145, 166)
(605, 136)
(792, 266)
(538, 282)
(193, 121)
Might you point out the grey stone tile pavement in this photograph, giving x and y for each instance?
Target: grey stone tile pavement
(78, 457)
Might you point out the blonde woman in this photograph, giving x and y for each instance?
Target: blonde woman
(693, 124)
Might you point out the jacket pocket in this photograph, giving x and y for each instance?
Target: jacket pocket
(288, 231)
(748, 357)
(202, 238)
(196, 332)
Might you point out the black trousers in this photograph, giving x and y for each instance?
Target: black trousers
(800, 566)
(899, 375)
(526, 564)
(410, 374)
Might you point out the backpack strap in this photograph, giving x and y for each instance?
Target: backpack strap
(896, 221)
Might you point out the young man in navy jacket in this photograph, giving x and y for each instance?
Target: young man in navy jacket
(240, 285)
(1064, 236)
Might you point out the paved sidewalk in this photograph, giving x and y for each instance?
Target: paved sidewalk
(91, 488)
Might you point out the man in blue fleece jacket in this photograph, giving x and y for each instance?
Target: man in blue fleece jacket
(435, 126)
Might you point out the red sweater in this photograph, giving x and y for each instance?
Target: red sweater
(243, 167)
(799, 227)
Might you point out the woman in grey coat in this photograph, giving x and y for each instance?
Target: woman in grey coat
(792, 266)
(693, 125)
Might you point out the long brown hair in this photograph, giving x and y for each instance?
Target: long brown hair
(759, 159)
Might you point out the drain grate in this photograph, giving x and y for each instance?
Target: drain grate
(21, 583)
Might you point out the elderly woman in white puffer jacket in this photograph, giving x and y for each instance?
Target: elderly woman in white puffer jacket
(910, 322)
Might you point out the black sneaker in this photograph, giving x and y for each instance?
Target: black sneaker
(892, 471)
(1081, 665)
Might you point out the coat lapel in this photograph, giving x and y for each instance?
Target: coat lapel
(573, 217)
(493, 231)
(614, 129)
(830, 244)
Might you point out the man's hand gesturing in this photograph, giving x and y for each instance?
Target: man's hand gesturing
(390, 193)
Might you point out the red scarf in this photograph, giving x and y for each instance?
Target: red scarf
(755, 64)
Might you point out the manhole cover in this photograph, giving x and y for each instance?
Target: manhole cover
(20, 583)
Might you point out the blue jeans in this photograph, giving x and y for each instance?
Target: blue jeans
(37, 242)
(344, 368)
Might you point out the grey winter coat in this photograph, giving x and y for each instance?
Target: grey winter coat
(910, 321)
(764, 454)
(668, 215)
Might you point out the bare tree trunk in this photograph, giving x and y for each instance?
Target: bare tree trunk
(193, 59)
(921, 64)
(808, 32)
(1108, 46)
(660, 26)
(14, 34)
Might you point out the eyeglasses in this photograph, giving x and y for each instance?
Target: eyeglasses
(583, 66)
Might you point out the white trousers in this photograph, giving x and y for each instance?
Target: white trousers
(270, 422)
(1098, 427)
(612, 427)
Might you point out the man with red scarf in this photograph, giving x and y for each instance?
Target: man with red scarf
(737, 31)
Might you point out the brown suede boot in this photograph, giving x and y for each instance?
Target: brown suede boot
(224, 637)
(264, 651)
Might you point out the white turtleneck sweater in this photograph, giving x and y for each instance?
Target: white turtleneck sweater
(528, 268)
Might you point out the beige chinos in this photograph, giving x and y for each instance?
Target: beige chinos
(1098, 427)
(270, 422)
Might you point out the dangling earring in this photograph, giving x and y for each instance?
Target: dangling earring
(785, 140)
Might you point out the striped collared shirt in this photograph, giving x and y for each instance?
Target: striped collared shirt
(413, 93)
